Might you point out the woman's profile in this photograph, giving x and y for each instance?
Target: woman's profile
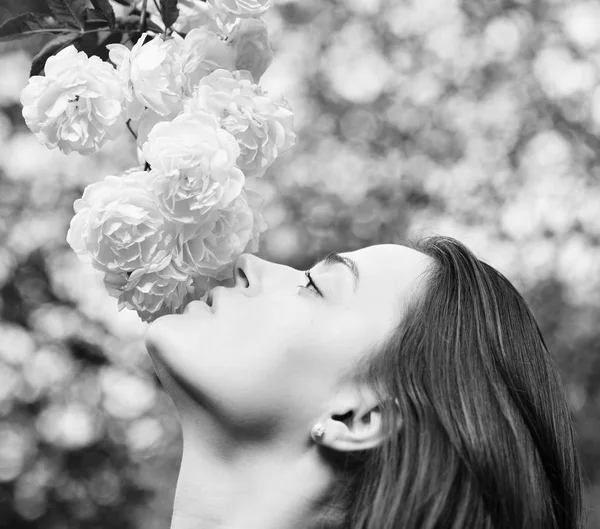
(388, 387)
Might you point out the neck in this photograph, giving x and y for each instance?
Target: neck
(224, 484)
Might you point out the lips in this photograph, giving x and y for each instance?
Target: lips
(197, 305)
(212, 297)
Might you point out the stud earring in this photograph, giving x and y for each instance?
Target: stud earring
(318, 431)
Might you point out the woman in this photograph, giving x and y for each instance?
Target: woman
(388, 387)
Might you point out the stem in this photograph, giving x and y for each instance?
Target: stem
(127, 40)
(143, 17)
(128, 123)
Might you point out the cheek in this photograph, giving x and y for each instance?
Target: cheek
(317, 361)
(336, 345)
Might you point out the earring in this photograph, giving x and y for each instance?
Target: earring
(318, 431)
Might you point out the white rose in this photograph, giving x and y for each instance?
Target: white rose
(212, 251)
(194, 14)
(204, 284)
(256, 202)
(263, 127)
(146, 123)
(251, 46)
(119, 227)
(77, 105)
(242, 8)
(151, 75)
(153, 292)
(194, 159)
(203, 52)
(189, 199)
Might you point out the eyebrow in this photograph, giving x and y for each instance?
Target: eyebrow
(335, 258)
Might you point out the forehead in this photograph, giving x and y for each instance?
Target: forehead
(391, 256)
(388, 273)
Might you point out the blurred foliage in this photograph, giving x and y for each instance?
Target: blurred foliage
(475, 119)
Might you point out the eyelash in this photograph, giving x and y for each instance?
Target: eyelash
(311, 282)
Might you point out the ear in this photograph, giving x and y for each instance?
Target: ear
(353, 421)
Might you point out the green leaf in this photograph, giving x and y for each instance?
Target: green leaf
(51, 48)
(71, 12)
(169, 12)
(151, 26)
(28, 24)
(106, 9)
(96, 19)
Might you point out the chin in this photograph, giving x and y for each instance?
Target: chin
(157, 332)
(176, 332)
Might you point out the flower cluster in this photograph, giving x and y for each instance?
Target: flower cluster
(166, 232)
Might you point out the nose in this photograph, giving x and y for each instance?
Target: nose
(253, 274)
(246, 272)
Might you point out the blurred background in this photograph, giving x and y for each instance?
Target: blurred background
(477, 119)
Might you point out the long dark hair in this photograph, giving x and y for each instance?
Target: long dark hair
(486, 438)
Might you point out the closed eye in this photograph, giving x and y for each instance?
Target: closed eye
(311, 283)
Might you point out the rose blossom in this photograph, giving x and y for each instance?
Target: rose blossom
(118, 225)
(212, 251)
(77, 105)
(251, 46)
(194, 162)
(242, 8)
(151, 74)
(203, 52)
(204, 284)
(256, 202)
(146, 123)
(263, 127)
(194, 14)
(153, 292)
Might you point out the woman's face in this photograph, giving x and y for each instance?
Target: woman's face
(272, 349)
